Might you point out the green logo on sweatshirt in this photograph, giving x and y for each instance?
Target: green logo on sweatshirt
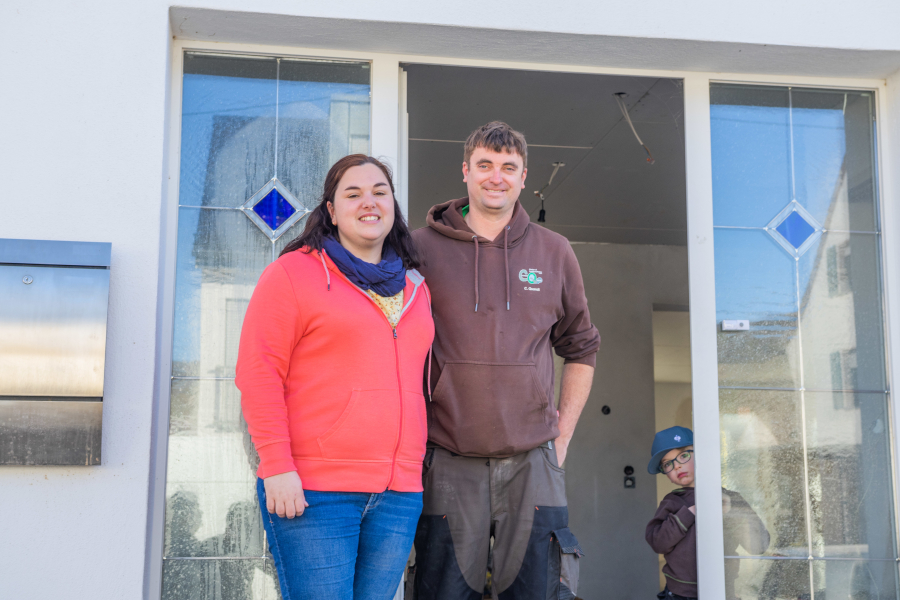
(530, 276)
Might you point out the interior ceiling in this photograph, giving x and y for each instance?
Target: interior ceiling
(607, 192)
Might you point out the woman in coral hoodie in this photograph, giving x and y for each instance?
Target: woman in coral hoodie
(330, 370)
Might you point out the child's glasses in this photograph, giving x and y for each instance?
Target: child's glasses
(682, 458)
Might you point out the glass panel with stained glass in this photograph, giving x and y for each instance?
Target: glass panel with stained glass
(795, 168)
(258, 136)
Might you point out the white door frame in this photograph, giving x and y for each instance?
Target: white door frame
(389, 135)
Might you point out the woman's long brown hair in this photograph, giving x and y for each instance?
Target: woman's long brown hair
(319, 225)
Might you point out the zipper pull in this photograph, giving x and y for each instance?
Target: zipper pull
(395, 333)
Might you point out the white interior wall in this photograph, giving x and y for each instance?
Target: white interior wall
(672, 376)
(85, 126)
(622, 283)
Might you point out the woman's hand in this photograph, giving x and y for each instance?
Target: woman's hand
(284, 495)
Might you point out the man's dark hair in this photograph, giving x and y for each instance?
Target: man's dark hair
(497, 136)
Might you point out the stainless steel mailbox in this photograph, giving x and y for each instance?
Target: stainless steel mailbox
(53, 305)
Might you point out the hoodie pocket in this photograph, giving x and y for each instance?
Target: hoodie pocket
(367, 428)
(489, 409)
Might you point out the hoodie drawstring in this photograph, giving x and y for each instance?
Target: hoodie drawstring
(431, 347)
(506, 262)
(324, 266)
(475, 237)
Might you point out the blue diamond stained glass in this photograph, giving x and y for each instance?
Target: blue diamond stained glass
(795, 230)
(274, 209)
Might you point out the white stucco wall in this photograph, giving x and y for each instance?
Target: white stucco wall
(83, 127)
(82, 158)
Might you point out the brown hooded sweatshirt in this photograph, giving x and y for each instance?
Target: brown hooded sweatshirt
(499, 307)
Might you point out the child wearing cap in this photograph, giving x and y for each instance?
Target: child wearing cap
(671, 532)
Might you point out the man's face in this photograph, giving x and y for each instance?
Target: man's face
(494, 179)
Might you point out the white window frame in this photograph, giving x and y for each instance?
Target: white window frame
(389, 138)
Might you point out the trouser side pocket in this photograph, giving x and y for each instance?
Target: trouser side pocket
(565, 553)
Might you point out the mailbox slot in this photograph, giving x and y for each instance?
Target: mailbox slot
(53, 308)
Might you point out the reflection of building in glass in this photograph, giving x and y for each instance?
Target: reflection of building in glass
(803, 412)
(212, 508)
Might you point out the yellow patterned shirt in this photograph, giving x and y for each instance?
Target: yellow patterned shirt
(391, 306)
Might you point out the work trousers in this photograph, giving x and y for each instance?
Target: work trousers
(520, 501)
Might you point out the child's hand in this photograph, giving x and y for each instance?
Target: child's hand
(693, 509)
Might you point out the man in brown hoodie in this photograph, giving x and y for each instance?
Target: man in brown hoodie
(506, 293)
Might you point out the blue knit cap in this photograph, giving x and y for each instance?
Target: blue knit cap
(666, 440)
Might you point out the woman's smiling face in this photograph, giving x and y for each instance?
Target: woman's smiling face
(363, 209)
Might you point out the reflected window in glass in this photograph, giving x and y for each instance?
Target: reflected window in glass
(258, 135)
(804, 402)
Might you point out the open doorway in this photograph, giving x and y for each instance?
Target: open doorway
(626, 219)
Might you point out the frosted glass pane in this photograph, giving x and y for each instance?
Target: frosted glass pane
(323, 116)
(227, 129)
(750, 136)
(841, 315)
(221, 255)
(762, 460)
(211, 505)
(234, 110)
(850, 474)
(855, 580)
(834, 157)
(274, 591)
(756, 281)
(218, 580)
(755, 579)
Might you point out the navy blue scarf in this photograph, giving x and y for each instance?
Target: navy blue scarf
(387, 278)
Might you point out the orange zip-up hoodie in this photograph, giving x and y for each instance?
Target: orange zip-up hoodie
(328, 387)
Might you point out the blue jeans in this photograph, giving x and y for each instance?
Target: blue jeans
(345, 546)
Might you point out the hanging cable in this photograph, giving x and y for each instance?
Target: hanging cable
(621, 102)
(603, 136)
(542, 216)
